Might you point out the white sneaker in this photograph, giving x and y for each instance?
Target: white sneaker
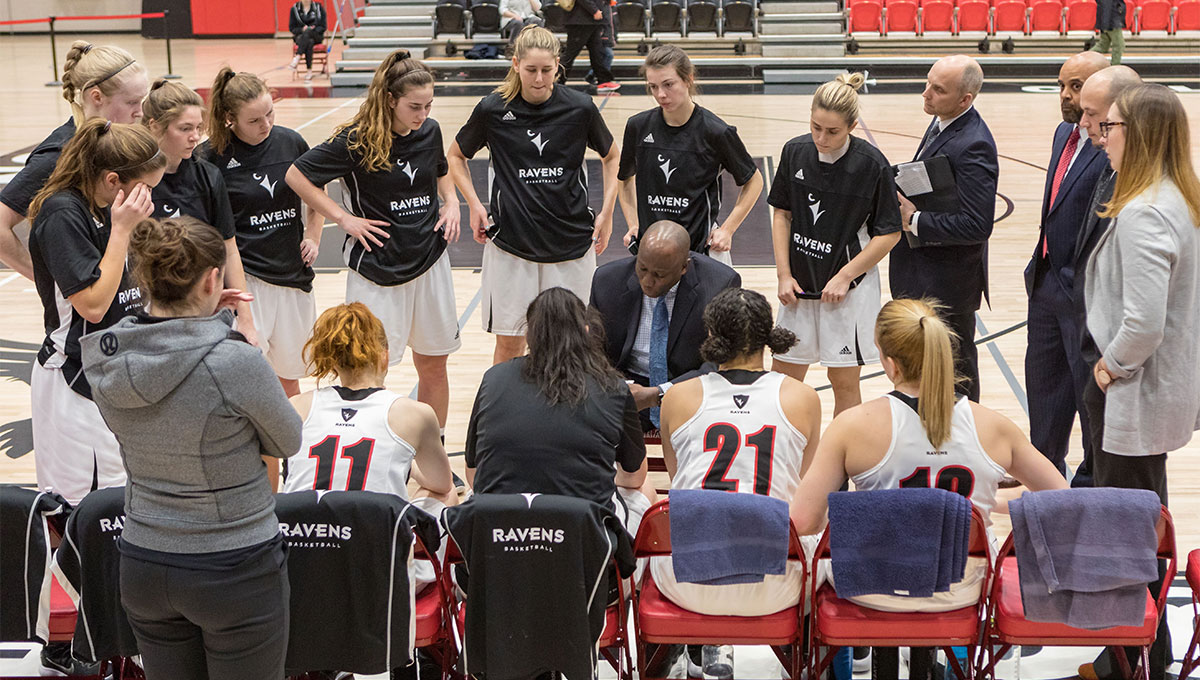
(308, 77)
(718, 662)
(862, 664)
(295, 62)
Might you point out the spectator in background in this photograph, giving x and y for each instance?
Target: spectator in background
(307, 24)
(516, 15)
(585, 28)
(1110, 19)
(1141, 291)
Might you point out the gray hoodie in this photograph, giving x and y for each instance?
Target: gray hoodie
(193, 408)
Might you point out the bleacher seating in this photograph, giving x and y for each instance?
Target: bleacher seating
(485, 18)
(1046, 16)
(555, 17)
(703, 16)
(974, 16)
(739, 16)
(1153, 15)
(449, 17)
(1010, 16)
(666, 16)
(900, 16)
(631, 16)
(1081, 16)
(937, 16)
(1187, 16)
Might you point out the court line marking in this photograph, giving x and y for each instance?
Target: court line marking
(10, 278)
(328, 113)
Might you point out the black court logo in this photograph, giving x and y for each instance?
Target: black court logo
(348, 413)
(108, 344)
(740, 400)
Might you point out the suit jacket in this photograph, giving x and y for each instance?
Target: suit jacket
(1085, 243)
(617, 295)
(1062, 221)
(951, 265)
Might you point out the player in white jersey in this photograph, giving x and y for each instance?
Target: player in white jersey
(357, 435)
(922, 434)
(740, 429)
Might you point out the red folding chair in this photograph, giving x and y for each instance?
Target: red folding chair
(320, 56)
(866, 17)
(1010, 16)
(1047, 16)
(1008, 626)
(657, 621)
(1081, 16)
(937, 16)
(614, 640)
(974, 16)
(434, 610)
(1154, 15)
(1187, 16)
(842, 623)
(1190, 661)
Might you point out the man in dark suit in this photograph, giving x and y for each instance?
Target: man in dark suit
(944, 254)
(1055, 373)
(661, 292)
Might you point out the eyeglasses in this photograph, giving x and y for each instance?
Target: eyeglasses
(1106, 126)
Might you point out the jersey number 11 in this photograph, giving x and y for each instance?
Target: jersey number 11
(359, 454)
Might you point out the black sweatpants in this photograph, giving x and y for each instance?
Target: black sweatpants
(1128, 472)
(592, 37)
(304, 45)
(195, 624)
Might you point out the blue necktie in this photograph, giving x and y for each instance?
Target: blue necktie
(932, 134)
(659, 328)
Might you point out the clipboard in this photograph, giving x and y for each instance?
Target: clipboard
(930, 186)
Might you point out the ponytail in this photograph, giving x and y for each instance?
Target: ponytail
(530, 38)
(169, 256)
(372, 136)
(166, 101)
(99, 147)
(86, 66)
(739, 323)
(345, 340)
(230, 91)
(911, 333)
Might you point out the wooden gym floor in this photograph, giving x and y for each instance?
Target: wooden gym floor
(1022, 123)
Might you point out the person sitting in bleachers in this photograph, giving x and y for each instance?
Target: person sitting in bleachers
(516, 15)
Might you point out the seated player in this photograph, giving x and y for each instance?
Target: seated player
(658, 296)
(358, 435)
(754, 412)
(884, 444)
(559, 420)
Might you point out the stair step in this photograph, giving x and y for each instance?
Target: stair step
(423, 9)
(792, 50)
(409, 20)
(802, 18)
(793, 28)
(803, 75)
(376, 54)
(422, 30)
(389, 43)
(393, 3)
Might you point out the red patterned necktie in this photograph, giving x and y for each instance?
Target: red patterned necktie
(1064, 162)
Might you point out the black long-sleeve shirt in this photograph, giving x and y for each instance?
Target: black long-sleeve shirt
(314, 18)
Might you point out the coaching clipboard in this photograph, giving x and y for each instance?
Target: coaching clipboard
(929, 184)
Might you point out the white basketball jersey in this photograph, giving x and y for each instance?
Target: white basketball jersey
(960, 465)
(347, 445)
(739, 440)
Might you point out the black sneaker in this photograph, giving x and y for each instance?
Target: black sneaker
(57, 657)
(460, 487)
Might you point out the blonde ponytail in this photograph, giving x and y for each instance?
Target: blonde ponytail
(105, 66)
(911, 333)
(530, 38)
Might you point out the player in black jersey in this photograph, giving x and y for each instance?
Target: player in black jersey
(277, 248)
(543, 233)
(174, 113)
(390, 160)
(99, 82)
(82, 220)
(836, 216)
(672, 158)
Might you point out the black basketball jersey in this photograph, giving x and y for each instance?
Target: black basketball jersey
(25, 562)
(836, 207)
(405, 196)
(539, 184)
(66, 243)
(195, 189)
(267, 214)
(678, 169)
(19, 193)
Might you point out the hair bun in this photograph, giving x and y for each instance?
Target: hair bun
(854, 80)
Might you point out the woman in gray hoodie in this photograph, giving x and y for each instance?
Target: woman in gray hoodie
(195, 410)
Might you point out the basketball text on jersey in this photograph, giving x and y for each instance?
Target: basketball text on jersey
(314, 530)
(411, 206)
(115, 524)
(812, 246)
(272, 220)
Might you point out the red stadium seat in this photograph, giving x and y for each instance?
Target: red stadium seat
(841, 623)
(901, 17)
(659, 623)
(1081, 15)
(974, 16)
(1010, 16)
(1046, 15)
(865, 17)
(937, 16)
(1009, 627)
(1187, 16)
(434, 610)
(1193, 578)
(1154, 15)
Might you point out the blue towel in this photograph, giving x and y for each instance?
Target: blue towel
(1085, 556)
(723, 538)
(894, 541)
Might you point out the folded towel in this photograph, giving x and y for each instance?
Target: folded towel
(723, 538)
(1085, 556)
(894, 541)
